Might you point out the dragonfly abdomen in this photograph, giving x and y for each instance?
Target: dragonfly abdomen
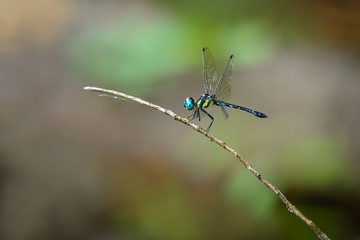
(253, 112)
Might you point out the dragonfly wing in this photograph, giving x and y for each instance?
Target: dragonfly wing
(223, 110)
(210, 74)
(222, 89)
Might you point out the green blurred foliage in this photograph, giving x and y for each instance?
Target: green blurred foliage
(323, 159)
(137, 52)
(132, 55)
(165, 211)
(149, 52)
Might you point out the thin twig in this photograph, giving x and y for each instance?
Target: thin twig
(195, 127)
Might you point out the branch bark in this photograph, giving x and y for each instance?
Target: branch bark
(288, 204)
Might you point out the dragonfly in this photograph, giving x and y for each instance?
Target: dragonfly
(217, 90)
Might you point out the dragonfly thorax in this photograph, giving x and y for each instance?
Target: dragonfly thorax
(205, 101)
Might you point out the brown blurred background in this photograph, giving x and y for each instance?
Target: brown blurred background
(77, 166)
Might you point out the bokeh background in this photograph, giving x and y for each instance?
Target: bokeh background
(77, 166)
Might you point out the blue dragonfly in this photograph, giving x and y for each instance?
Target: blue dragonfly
(217, 90)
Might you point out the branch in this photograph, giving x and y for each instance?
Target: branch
(195, 127)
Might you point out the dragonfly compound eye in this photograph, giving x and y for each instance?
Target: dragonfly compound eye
(189, 103)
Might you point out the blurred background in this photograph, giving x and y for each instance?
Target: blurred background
(77, 166)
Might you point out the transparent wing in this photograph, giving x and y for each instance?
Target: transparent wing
(210, 74)
(222, 90)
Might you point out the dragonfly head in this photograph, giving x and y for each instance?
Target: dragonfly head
(189, 103)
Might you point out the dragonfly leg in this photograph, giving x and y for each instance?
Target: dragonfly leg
(195, 115)
(191, 117)
(211, 117)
